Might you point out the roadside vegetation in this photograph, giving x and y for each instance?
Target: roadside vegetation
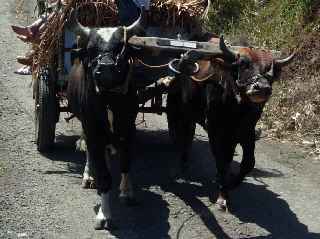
(268, 23)
(293, 113)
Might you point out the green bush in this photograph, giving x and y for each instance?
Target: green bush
(227, 13)
(273, 24)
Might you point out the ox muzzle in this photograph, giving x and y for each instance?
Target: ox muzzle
(107, 72)
(260, 90)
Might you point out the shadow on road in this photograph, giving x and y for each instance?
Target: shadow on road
(65, 151)
(256, 204)
(154, 159)
(145, 221)
(157, 158)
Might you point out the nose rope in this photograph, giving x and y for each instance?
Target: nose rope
(253, 80)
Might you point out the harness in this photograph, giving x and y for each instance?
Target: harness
(94, 63)
(253, 80)
(232, 84)
(118, 63)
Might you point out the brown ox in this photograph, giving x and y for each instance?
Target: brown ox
(226, 97)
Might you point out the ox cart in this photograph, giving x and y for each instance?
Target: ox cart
(51, 80)
(50, 92)
(243, 84)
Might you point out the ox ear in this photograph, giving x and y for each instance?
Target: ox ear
(283, 62)
(228, 54)
(138, 27)
(74, 26)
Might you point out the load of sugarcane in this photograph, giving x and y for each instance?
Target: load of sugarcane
(98, 13)
(178, 13)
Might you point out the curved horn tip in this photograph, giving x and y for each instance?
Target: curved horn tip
(271, 71)
(138, 25)
(73, 25)
(285, 61)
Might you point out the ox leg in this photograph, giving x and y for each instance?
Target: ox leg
(102, 175)
(186, 146)
(181, 128)
(127, 196)
(104, 215)
(126, 190)
(223, 148)
(88, 177)
(248, 159)
(223, 161)
(124, 113)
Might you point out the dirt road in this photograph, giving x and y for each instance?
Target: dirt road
(40, 196)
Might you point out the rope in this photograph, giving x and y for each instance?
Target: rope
(201, 79)
(151, 66)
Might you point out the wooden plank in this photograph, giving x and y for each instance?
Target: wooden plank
(172, 45)
(180, 46)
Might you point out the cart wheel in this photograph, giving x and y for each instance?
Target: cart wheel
(46, 111)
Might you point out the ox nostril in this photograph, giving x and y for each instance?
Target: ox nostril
(256, 87)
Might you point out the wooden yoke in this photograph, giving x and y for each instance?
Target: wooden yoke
(176, 46)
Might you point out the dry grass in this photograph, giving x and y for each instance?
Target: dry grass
(100, 12)
(97, 13)
(294, 110)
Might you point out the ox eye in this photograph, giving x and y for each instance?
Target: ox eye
(246, 65)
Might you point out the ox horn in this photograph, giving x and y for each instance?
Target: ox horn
(229, 55)
(270, 73)
(285, 61)
(138, 27)
(75, 26)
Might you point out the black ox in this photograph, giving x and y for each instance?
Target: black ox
(100, 81)
(226, 97)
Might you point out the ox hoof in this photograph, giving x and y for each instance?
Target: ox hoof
(88, 184)
(129, 201)
(222, 203)
(99, 224)
(105, 225)
(109, 225)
